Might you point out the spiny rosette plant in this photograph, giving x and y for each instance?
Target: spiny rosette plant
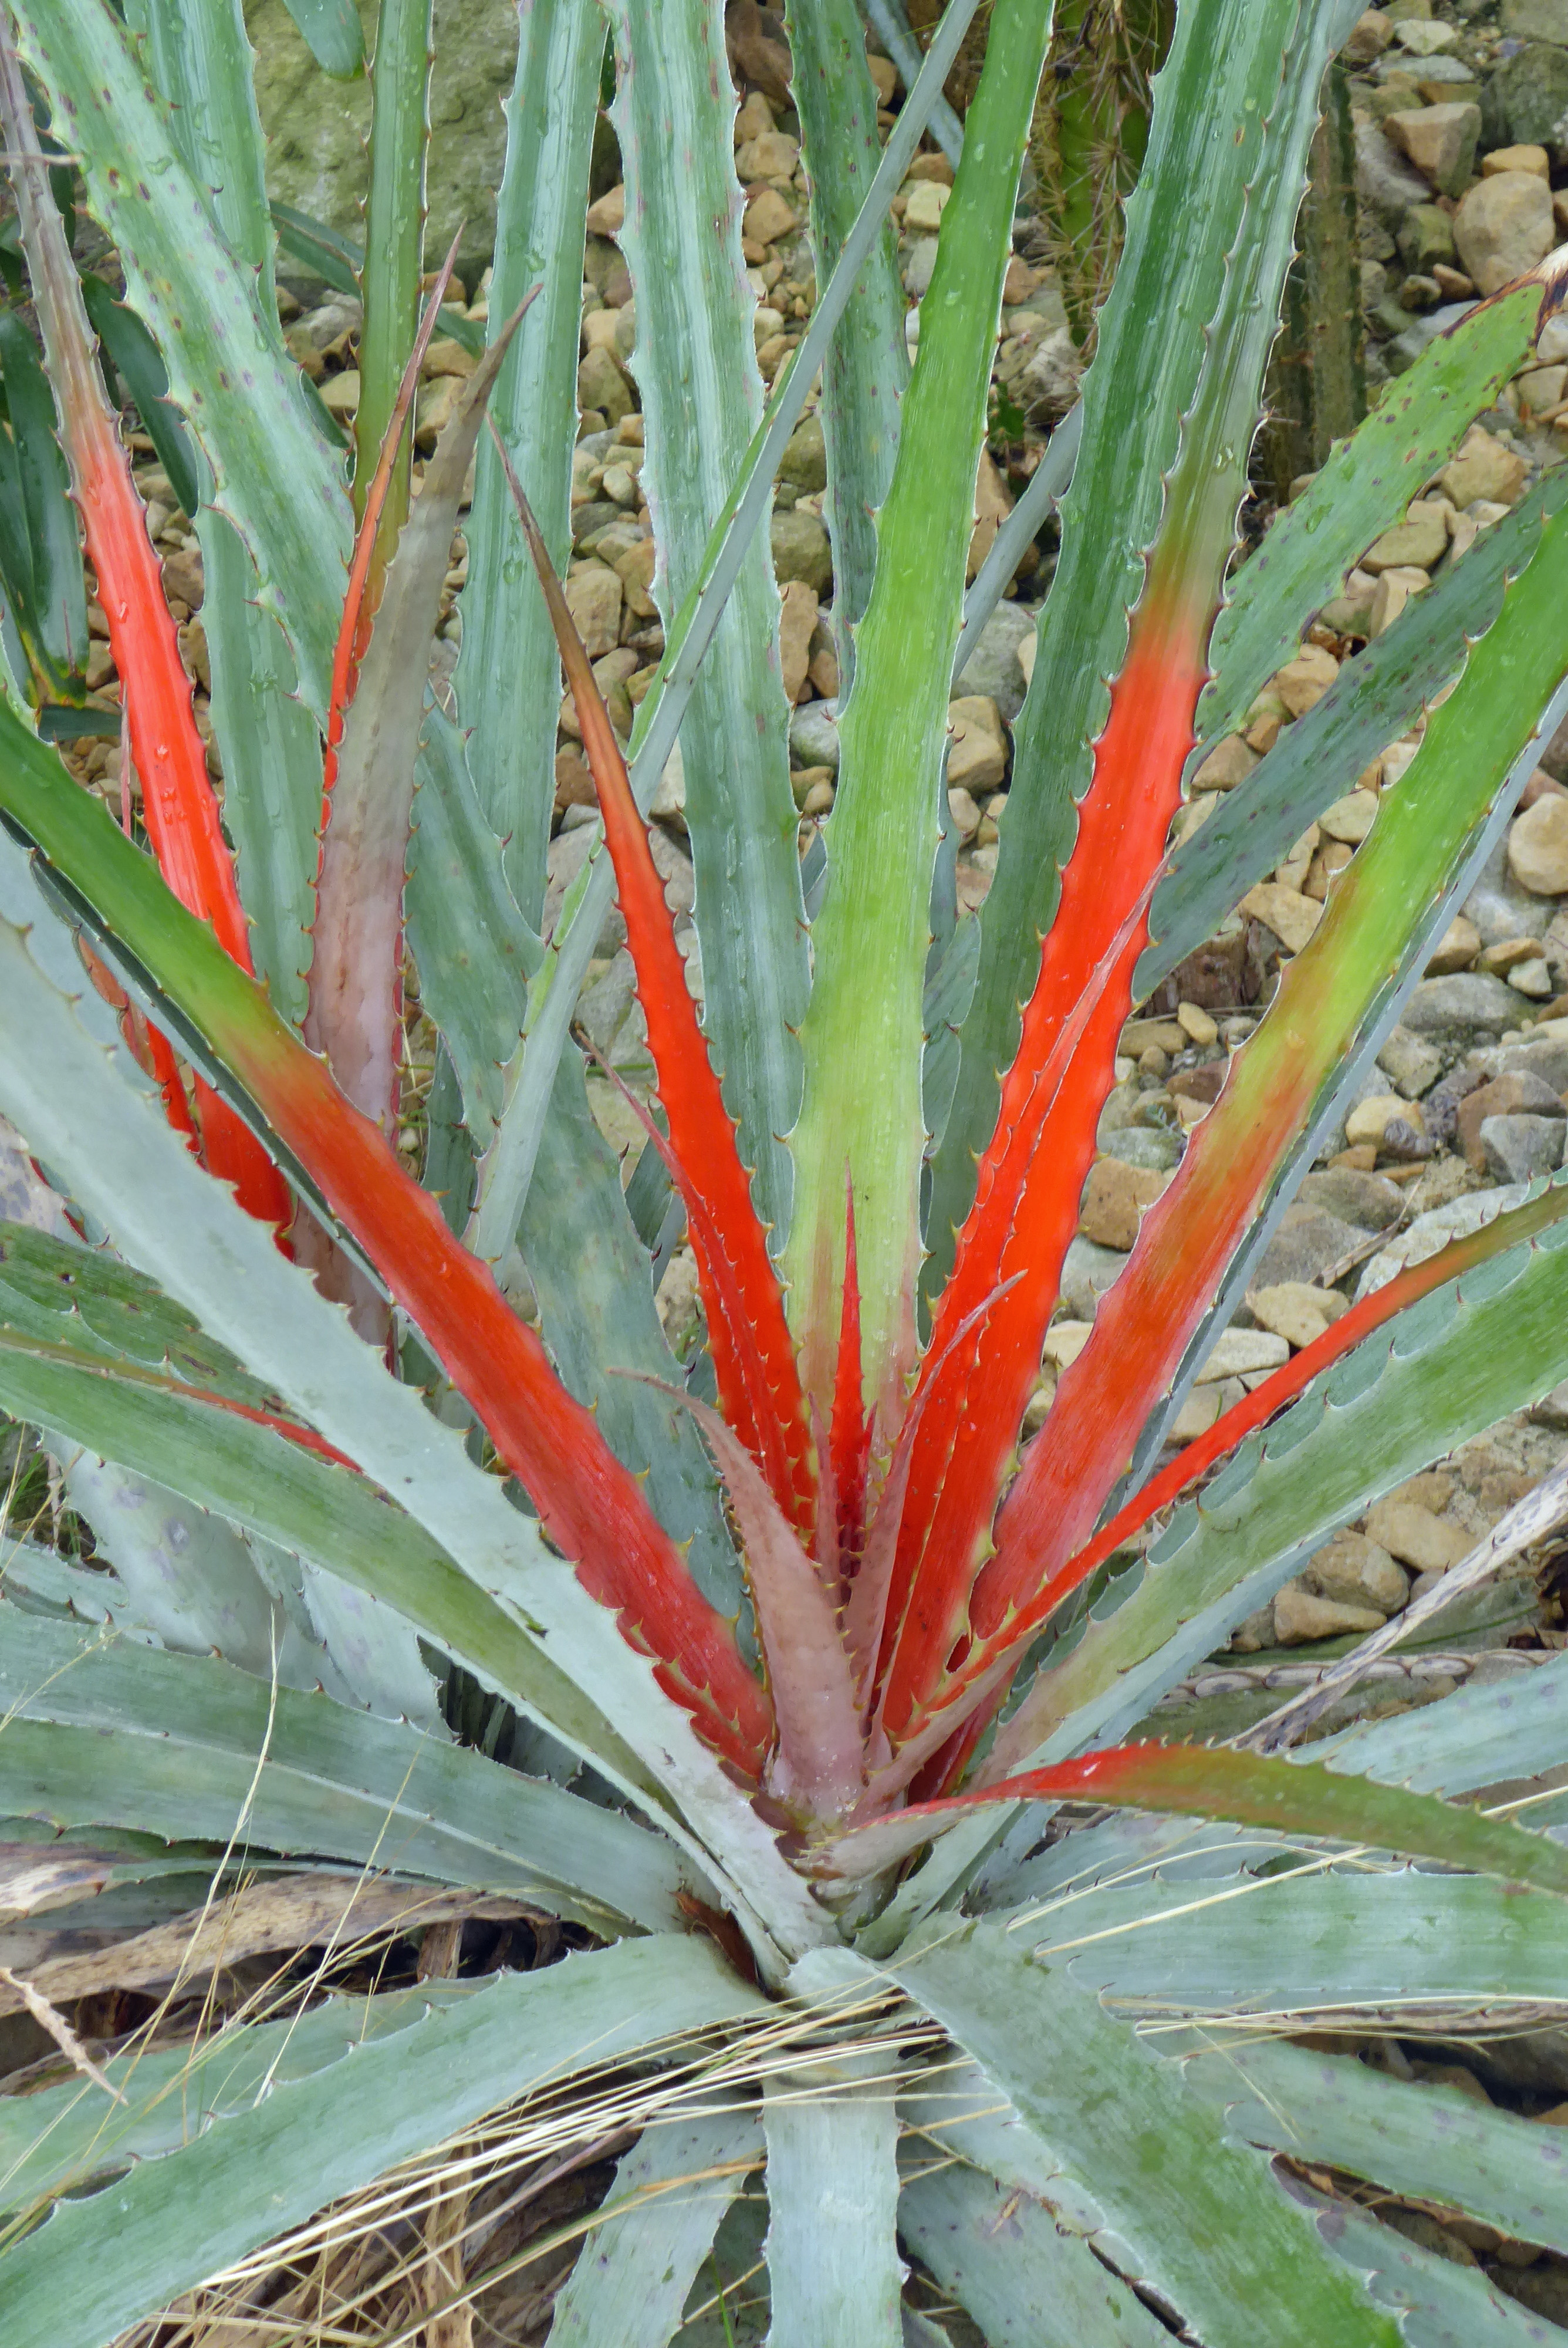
(789, 1675)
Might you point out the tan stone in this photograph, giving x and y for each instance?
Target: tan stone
(1541, 388)
(608, 216)
(1538, 847)
(1369, 37)
(1395, 589)
(1113, 1199)
(1291, 916)
(1482, 468)
(1230, 762)
(1507, 955)
(601, 386)
(599, 330)
(772, 155)
(924, 207)
(1065, 1341)
(446, 357)
(634, 569)
(1516, 159)
(964, 814)
(976, 751)
(755, 117)
(1456, 949)
(797, 624)
(1292, 872)
(1196, 1022)
(1420, 541)
(1296, 1311)
(992, 507)
(1330, 860)
(1165, 1034)
(1196, 813)
(804, 781)
(1416, 1538)
(593, 596)
(340, 394)
(574, 784)
(1356, 1573)
(1300, 1617)
(1349, 819)
(1243, 1353)
(767, 218)
(1502, 228)
(1439, 141)
(1369, 1119)
(1301, 683)
(433, 409)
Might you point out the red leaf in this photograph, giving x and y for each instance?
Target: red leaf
(592, 1507)
(849, 1435)
(178, 799)
(353, 628)
(1032, 1173)
(701, 1132)
(817, 1768)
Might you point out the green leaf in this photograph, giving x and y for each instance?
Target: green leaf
(1200, 2217)
(654, 2228)
(1428, 2142)
(833, 2274)
(333, 258)
(135, 358)
(1482, 1734)
(1027, 2281)
(40, 546)
(355, 1014)
(867, 365)
(597, 1316)
(331, 29)
(702, 397)
(380, 2082)
(271, 756)
(1438, 2301)
(126, 1166)
(1303, 1944)
(869, 940)
(508, 679)
(1228, 117)
(1414, 1388)
(508, 1168)
(338, 261)
(187, 1575)
(1442, 1371)
(474, 951)
(101, 1732)
(326, 1515)
(892, 24)
(1293, 1797)
(1366, 485)
(393, 253)
(275, 478)
(1316, 761)
(201, 62)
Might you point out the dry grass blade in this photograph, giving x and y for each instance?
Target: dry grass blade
(1529, 1522)
(296, 1912)
(60, 2031)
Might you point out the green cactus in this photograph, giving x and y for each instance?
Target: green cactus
(1317, 383)
(1090, 128)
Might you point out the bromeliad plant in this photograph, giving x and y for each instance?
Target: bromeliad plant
(793, 1651)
